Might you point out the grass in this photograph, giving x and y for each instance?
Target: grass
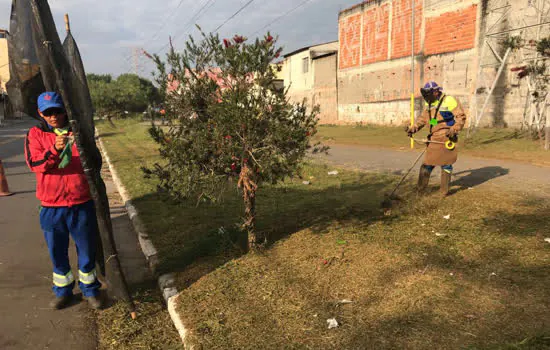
(416, 280)
(488, 143)
(152, 330)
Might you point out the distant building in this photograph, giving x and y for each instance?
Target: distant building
(4, 62)
(310, 74)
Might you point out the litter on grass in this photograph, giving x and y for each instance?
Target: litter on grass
(332, 323)
(447, 217)
(333, 173)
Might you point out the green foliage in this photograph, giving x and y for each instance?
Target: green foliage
(228, 120)
(543, 47)
(128, 92)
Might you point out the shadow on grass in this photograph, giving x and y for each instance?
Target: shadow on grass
(209, 234)
(499, 138)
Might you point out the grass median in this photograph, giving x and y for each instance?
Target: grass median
(506, 144)
(417, 279)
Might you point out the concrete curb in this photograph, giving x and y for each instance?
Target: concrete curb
(165, 282)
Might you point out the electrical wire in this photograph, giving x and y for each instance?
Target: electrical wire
(281, 16)
(233, 16)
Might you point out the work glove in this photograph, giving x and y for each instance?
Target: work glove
(452, 134)
(410, 130)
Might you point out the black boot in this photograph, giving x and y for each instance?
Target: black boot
(61, 302)
(445, 183)
(423, 179)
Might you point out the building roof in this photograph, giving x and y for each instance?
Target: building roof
(307, 48)
(324, 53)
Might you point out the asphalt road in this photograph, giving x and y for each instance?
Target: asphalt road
(469, 172)
(26, 322)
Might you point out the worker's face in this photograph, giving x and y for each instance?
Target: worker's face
(55, 117)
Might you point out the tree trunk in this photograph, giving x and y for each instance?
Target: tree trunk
(246, 182)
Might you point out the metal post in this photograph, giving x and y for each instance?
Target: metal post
(493, 87)
(412, 69)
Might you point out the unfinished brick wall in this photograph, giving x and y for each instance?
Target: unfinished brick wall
(376, 88)
(401, 28)
(350, 41)
(452, 31)
(375, 34)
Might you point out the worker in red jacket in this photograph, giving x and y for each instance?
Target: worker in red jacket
(66, 205)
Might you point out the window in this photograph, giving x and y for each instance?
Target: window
(305, 65)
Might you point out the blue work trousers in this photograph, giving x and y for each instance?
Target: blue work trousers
(80, 222)
(445, 168)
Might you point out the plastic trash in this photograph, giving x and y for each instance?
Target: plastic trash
(333, 173)
(332, 323)
(547, 240)
(306, 183)
(447, 217)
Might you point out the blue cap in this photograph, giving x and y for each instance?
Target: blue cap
(49, 100)
(432, 85)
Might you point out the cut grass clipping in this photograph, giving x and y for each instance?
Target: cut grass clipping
(469, 272)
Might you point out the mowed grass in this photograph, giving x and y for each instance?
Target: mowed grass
(416, 280)
(488, 143)
(152, 330)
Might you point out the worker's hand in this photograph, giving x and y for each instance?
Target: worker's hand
(60, 142)
(452, 134)
(410, 130)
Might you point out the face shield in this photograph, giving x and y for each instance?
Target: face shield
(429, 95)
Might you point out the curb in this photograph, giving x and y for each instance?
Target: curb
(165, 282)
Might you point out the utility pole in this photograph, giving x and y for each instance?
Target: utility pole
(135, 60)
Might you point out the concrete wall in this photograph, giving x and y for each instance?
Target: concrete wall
(313, 86)
(4, 66)
(507, 106)
(374, 78)
(324, 88)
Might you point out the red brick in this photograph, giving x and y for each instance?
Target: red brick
(401, 27)
(375, 34)
(458, 33)
(350, 41)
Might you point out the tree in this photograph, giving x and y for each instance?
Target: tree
(230, 124)
(128, 92)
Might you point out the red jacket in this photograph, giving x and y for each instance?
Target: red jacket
(54, 187)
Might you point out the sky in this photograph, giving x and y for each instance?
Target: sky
(107, 31)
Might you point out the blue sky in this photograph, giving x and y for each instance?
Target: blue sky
(107, 31)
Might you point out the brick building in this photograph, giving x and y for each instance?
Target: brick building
(374, 66)
(374, 79)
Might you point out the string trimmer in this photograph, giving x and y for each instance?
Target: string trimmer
(387, 202)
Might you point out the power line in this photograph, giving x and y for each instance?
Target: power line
(233, 16)
(281, 16)
(195, 17)
(170, 17)
(174, 12)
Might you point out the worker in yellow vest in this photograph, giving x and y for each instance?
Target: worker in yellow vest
(446, 118)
